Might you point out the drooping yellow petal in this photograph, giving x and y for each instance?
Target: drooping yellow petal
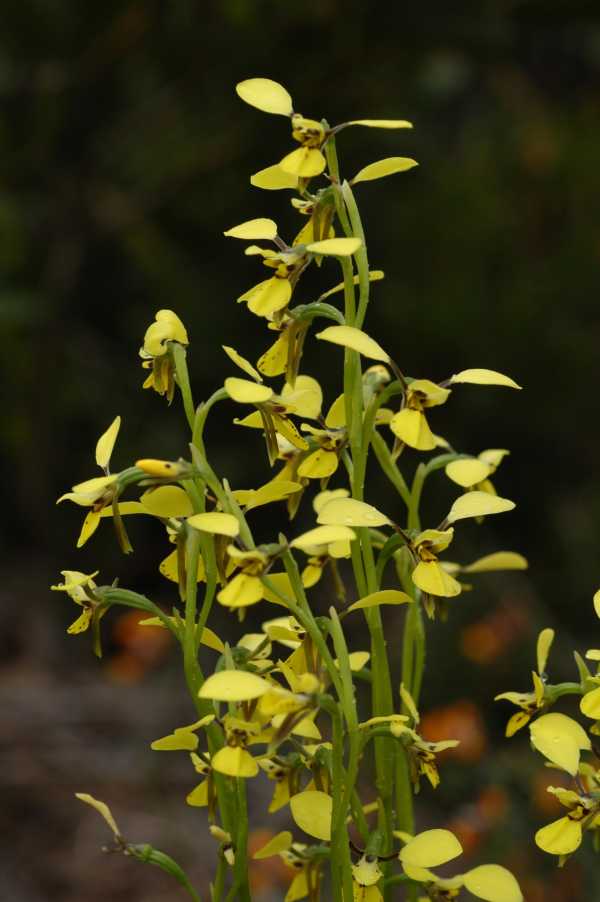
(590, 704)
(273, 178)
(304, 162)
(478, 504)
(335, 247)
(544, 643)
(560, 739)
(385, 596)
(492, 883)
(241, 591)
(274, 361)
(412, 428)
(243, 364)
(336, 415)
(311, 811)
(430, 577)
(356, 339)
(170, 569)
(82, 623)
(216, 523)
(381, 123)
(484, 377)
(298, 888)
(245, 392)
(467, 472)
(276, 490)
(350, 512)
(198, 797)
(234, 762)
(266, 95)
(179, 740)
(268, 296)
(381, 168)
(275, 845)
(318, 465)
(561, 837)
(233, 686)
(305, 399)
(102, 809)
(106, 443)
(498, 560)
(323, 535)
(254, 230)
(167, 501)
(430, 849)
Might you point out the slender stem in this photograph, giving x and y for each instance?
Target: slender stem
(362, 261)
(183, 380)
(389, 466)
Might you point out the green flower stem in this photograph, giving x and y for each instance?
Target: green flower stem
(201, 415)
(241, 889)
(193, 672)
(134, 600)
(389, 467)
(218, 887)
(334, 172)
(362, 261)
(414, 519)
(183, 380)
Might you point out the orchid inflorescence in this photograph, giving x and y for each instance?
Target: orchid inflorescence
(281, 704)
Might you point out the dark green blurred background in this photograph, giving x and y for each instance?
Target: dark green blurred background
(125, 153)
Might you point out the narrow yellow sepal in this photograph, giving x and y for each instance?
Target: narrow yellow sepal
(266, 95)
(102, 809)
(484, 377)
(385, 596)
(245, 392)
(389, 166)
(243, 364)
(355, 339)
(106, 443)
(498, 560)
(478, 504)
(273, 178)
(274, 846)
(323, 535)
(381, 123)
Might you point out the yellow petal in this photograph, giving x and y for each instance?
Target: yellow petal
(335, 247)
(90, 525)
(385, 596)
(167, 501)
(381, 123)
(336, 415)
(275, 845)
(274, 361)
(318, 465)
(198, 797)
(430, 577)
(245, 392)
(375, 275)
(467, 473)
(379, 170)
(305, 398)
(216, 523)
(323, 535)
(273, 178)
(106, 443)
(242, 591)
(276, 490)
(234, 762)
(298, 888)
(233, 686)
(304, 163)
(430, 849)
(544, 642)
(560, 739)
(561, 837)
(484, 377)
(597, 603)
(478, 504)
(243, 364)
(492, 883)
(350, 512)
(499, 560)
(323, 498)
(356, 339)
(254, 230)
(180, 740)
(268, 297)
(411, 427)
(82, 623)
(357, 660)
(590, 704)
(266, 95)
(312, 811)
(102, 809)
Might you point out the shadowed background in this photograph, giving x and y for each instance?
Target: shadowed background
(125, 154)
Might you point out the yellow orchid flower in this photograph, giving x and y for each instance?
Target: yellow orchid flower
(530, 703)
(80, 588)
(410, 423)
(564, 836)
(473, 472)
(166, 328)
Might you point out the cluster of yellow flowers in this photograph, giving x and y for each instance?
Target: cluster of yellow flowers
(282, 702)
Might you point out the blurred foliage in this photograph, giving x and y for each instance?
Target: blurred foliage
(125, 154)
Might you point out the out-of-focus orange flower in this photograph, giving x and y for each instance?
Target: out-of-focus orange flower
(141, 648)
(462, 721)
(492, 804)
(545, 802)
(267, 873)
(487, 639)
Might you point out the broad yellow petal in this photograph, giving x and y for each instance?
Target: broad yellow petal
(274, 361)
(275, 845)
(379, 170)
(167, 501)
(492, 883)
(560, 739)
(411, 427)
(198, 797)
(484, 377)
(273, 178)
(335, 247)
(590, 704)
(254, 230)
(350, 512)
(179, 740)
(245, 392)
(385, 596)
(356, 339)
(478, 504)
(312, 811)
(561, 837)
(430, 849)
(106, 443)
(233, 686)
(323, 535)
(268, 297)
(90, 525)
(216, 523)
(318, 465)
(241, 591)
(266, 95)
(336, 415)
(323, 498)
(305, 398)
(304, 162)
(467, 473)
(234, 762)
(498, 560)
(430, 577)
